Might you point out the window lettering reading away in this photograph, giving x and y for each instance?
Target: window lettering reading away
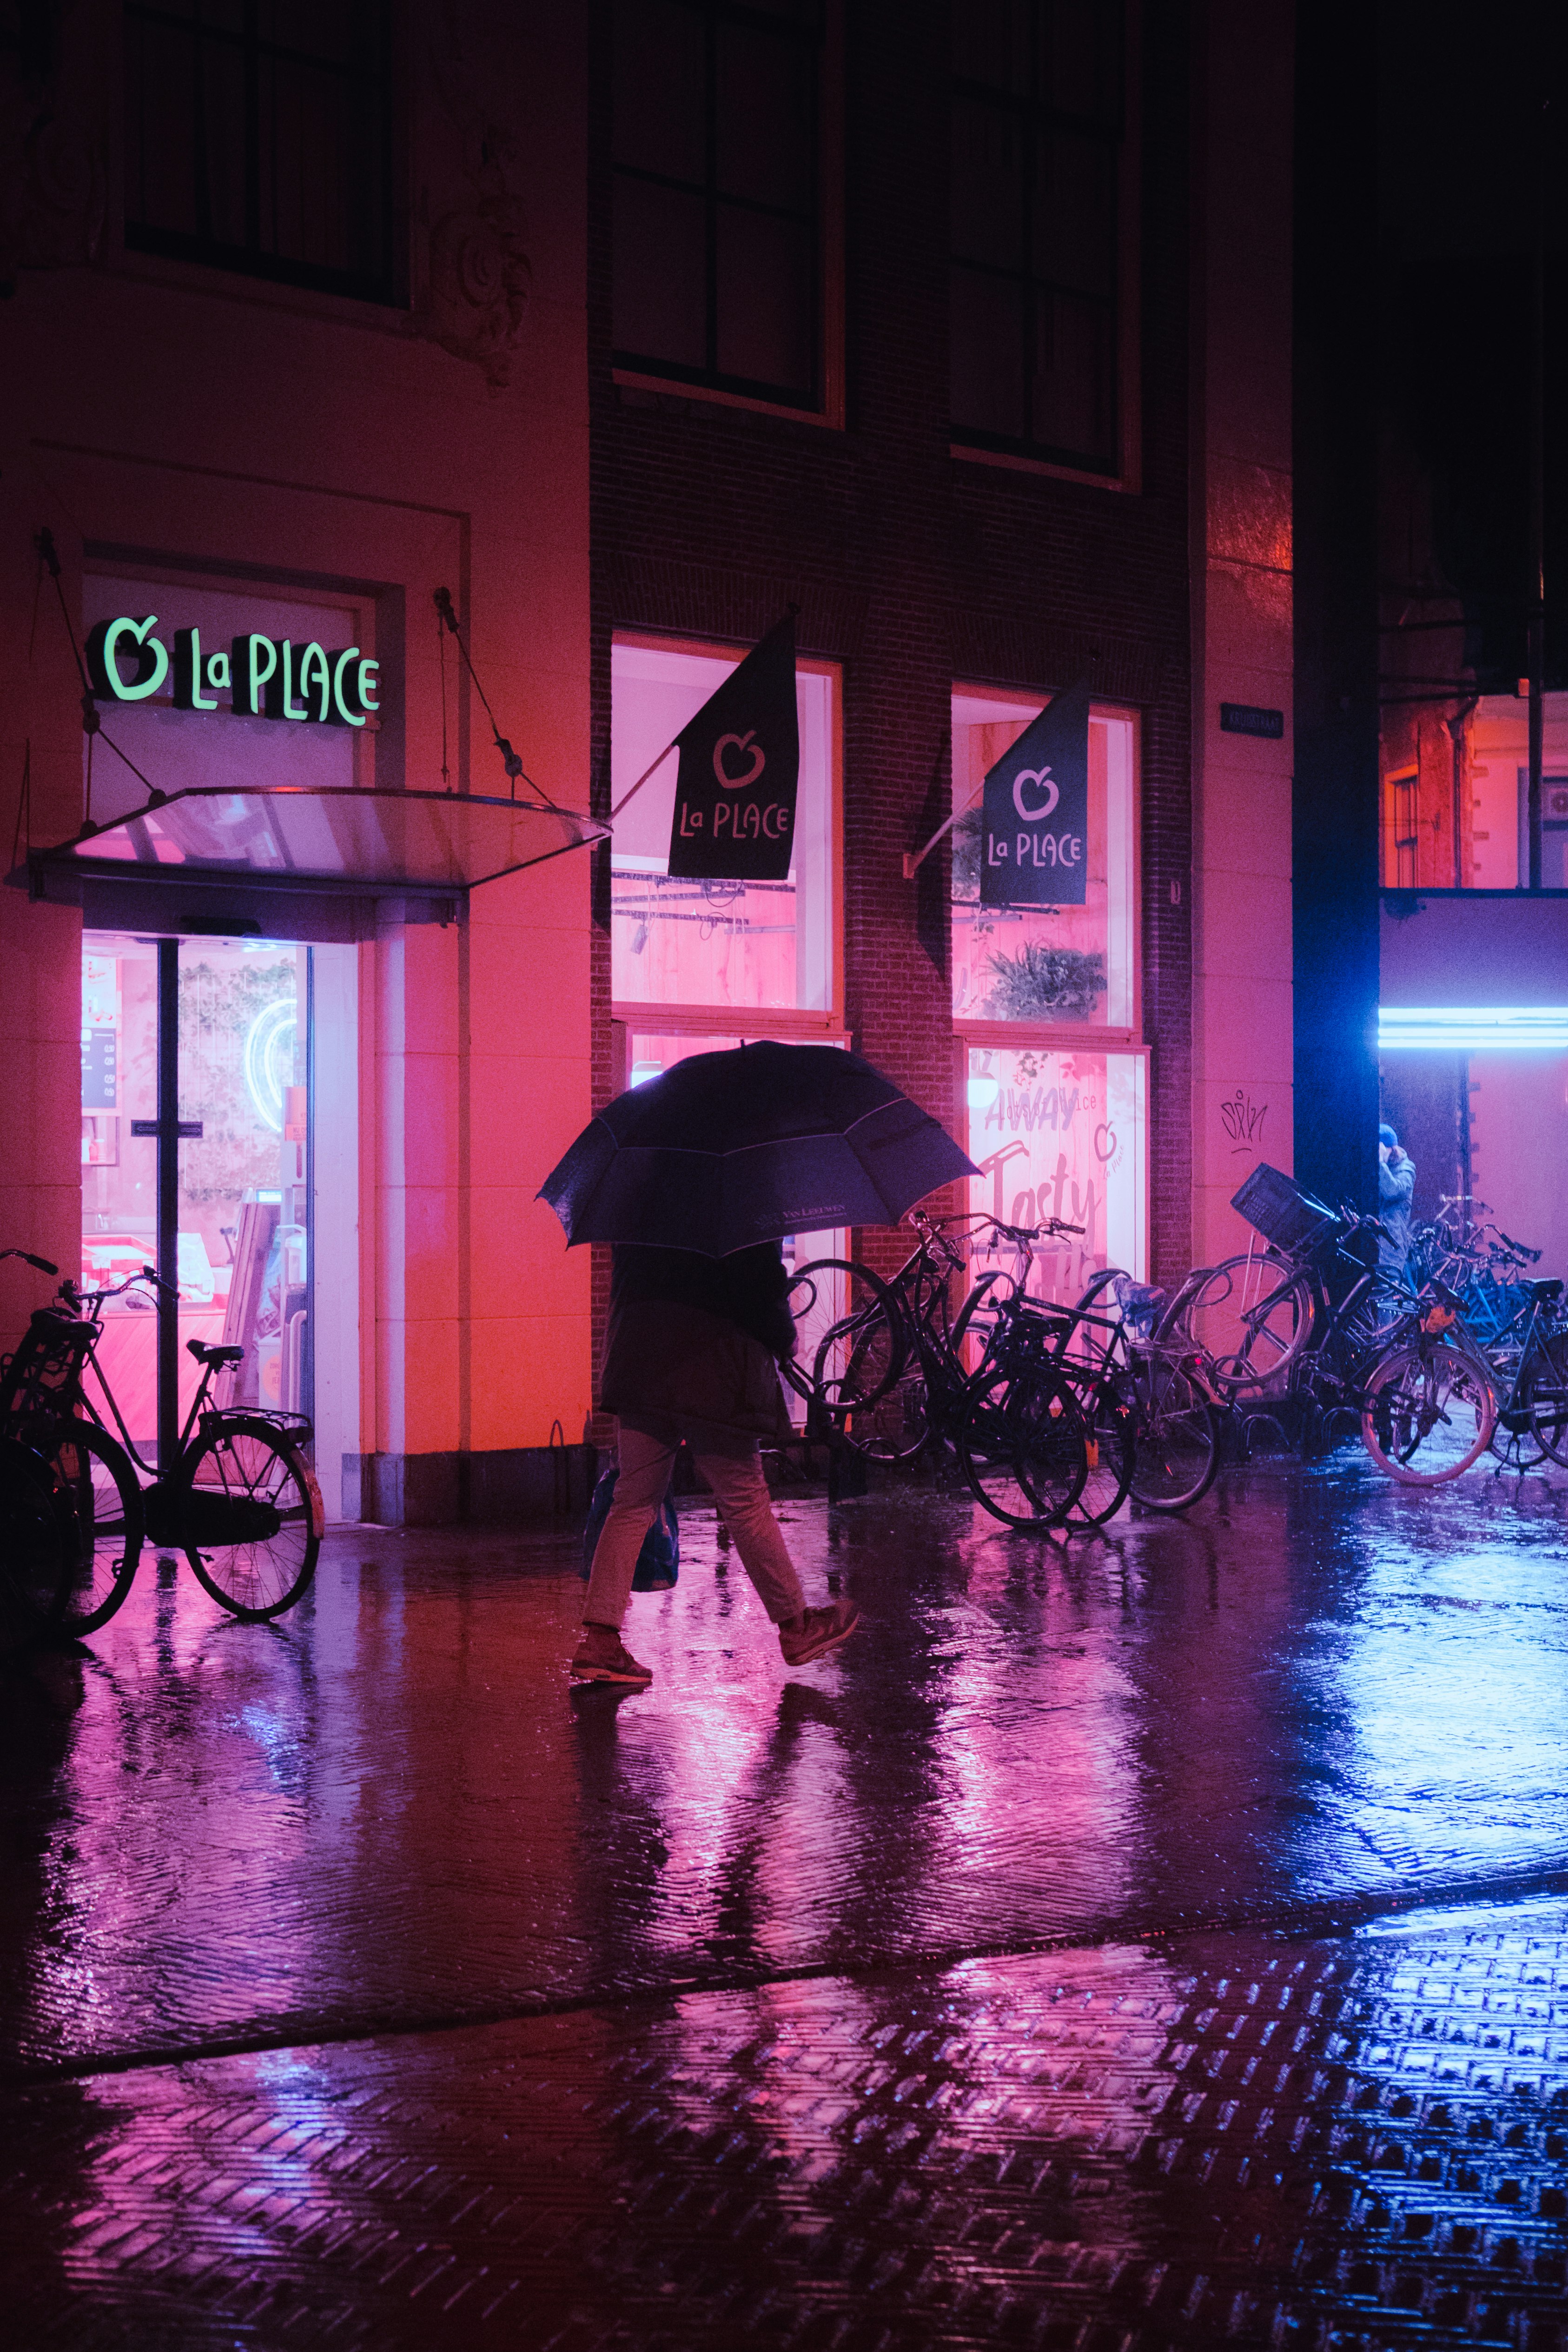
(718, 271)
(258, 138)
(1037, 133)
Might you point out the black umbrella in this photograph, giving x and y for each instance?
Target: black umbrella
(730, 1149)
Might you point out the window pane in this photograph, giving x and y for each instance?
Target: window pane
(336, 31)
(320, 170)
(1060, 1135)
(1075, 212)
(1074, 407)
(993, 43)
(987, 188)
(661, 274)
(767, 300)
(160, 126)
(987, 353)
(1081, 56)
(690, 942)
(765, 120)
(257, 139)
(660, 82)
(1050, 966)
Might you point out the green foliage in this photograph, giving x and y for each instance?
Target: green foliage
(1040, 982)
(966, 838)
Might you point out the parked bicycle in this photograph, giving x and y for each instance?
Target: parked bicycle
(1157, 1417)
(1528, 1359)
(1311, 1327)
(899, 1371)
(240, 1500)
(38, 1548)
(903, 1369)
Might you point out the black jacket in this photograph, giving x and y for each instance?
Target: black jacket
(746, 1288)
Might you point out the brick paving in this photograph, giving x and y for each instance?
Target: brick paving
(1162, 1942)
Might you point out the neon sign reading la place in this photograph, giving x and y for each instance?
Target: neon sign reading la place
(263, 677)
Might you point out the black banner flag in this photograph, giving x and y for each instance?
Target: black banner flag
(1034, 832)
(740, 765)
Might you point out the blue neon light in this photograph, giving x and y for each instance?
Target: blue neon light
(1474, 1028)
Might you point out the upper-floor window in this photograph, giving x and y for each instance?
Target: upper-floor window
(1037, 138)
(258, 138)
(688, 947)
(718, 271)
(1050, 968)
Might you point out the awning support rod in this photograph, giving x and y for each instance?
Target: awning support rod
(915, 860)
(509, 759)
(640, 783)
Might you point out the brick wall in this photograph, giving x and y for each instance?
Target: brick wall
(912, 569)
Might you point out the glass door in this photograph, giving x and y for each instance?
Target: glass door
(196, 1158)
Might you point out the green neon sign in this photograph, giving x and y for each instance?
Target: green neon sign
(254, 676)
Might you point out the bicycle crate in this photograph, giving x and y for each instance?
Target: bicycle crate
(1277, 1206)
(45, 1368)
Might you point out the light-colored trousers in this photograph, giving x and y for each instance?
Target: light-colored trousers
(741, 1493)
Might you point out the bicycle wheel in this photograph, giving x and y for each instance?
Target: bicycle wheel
(1023, 1448)
(1546, 1398)
(894, 1426)
(37, 1547)
(248, 1515)
(109, 1528)
(1176, 1436)
(1250, 1315)
(850, 1333)
(1111, 1425)
(1427, 1413)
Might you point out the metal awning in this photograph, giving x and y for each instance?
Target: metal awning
(338, 837)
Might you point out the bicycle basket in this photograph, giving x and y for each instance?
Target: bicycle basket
(1277, 1206)
(43, 1373)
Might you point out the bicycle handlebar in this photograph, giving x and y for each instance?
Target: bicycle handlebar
(75, 1295)
(42, 1263)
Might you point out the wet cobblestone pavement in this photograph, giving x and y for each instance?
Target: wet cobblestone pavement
(1159, 1941)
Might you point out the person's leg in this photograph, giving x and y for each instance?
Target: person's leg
(644, 1474)
(741, 1493)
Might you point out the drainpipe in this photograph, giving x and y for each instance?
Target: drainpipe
(1535, 638)
(1456, 723)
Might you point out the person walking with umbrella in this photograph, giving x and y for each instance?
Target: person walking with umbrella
(694, 1179)
(692, 1352)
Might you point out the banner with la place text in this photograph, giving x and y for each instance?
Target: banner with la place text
(741, 767)
(1035, 824)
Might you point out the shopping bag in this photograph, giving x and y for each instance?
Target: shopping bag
(659, 1561)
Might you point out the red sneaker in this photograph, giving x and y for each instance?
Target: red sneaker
(818, 1630)
(604, 1658)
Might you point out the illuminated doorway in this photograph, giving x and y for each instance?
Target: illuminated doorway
(219, 1145)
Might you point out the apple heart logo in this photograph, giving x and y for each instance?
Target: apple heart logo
(1044, 777)
(146, 644)
(758, 759)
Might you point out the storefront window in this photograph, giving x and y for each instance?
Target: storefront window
(765, 945)
(1050, 966)
(1061, 1134)
(262, 1185)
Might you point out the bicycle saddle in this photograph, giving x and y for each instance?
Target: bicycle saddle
(206, 1354)
(1544, 1290)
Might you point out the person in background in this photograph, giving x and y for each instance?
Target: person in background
(692, 1351)
(1395, 1190)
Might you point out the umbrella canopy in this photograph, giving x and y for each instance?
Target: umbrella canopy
(730, 1149)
